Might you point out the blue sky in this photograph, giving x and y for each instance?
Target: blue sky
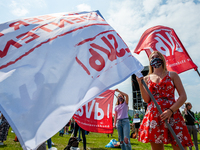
(130, 18)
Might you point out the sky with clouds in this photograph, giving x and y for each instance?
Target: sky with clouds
(130, 18)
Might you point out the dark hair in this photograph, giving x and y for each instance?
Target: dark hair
(187, 104)
(117, 103)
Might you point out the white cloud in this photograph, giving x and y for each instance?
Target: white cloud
(17, 9)
(23, 7)
(149, 5)
(83, 7)
(192, 93)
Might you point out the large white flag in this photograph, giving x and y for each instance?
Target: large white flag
(51, 65)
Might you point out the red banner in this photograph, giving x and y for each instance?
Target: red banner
(96, 116)
(165, 40)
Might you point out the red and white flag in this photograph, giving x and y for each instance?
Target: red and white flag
(165, 40)
(51, 65)
(96, 115)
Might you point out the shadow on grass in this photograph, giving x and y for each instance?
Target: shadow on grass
(3, 146)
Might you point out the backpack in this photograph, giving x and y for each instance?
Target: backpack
(73, 142)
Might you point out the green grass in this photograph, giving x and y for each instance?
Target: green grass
(95, 141)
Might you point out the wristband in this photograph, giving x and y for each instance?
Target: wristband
(171, 110)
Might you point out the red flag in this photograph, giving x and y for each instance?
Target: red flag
(96, 116)
(165, 40)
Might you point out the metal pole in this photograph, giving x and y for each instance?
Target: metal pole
(160, 111)
(198, 72)
(191, 115)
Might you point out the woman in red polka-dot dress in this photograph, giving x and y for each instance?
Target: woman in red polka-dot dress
(162, 84)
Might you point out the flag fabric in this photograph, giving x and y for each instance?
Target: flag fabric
(165, 40)
(96, 115)
(51, 65)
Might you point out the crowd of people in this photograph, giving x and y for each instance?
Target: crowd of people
(152, 129)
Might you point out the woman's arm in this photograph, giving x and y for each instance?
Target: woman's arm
(115, 119)
(143, 91)
(181, 91)
(124, 94)
(180, 101)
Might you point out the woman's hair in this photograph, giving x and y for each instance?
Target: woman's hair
(187, 104)
(117, 103)
(163, 59)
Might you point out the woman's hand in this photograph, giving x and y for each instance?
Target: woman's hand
(114, 126)
(139, 80)
(185, 109)
(117, 90)
(166, 115)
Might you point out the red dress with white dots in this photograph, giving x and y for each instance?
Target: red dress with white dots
(152, 129)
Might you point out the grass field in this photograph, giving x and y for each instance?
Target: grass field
(95, 141)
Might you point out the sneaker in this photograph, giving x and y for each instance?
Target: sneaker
(52, 148)
(12, 131)
(1, 143)
(52, 143)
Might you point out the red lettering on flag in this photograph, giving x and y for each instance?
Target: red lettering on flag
(17, 24)
(28, 34)
(43, 28)
(61, 23)
(109, 47)
(78, 20)
(165, 40)
(34, 19)
(96, 115)
(17, 45)
(8, 44)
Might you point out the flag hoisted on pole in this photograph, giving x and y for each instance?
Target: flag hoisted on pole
(96, 115)
(53, 64)
(164, 39)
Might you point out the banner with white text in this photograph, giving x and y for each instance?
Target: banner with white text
(96, 115)
(165, 40)
(51, 65)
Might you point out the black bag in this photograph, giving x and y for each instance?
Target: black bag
(73, 142)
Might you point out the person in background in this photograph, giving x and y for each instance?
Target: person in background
(4, 127)
(112, 124)
(136, 125)
(162, 85)
(76, 128)
(72, 125)
(190, 122)
(67, 127)
(122, 120)
(199, 126)
(49, 144)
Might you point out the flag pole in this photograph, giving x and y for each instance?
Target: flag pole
(198, 72)
(160, 111)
